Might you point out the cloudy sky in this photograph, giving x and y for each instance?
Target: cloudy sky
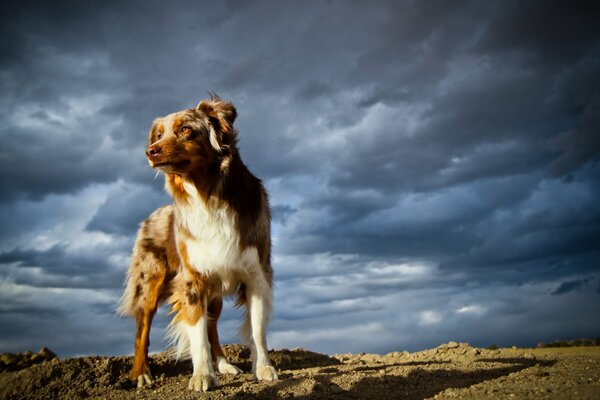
(434, 167)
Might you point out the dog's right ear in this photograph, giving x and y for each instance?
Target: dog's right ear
(222, 112)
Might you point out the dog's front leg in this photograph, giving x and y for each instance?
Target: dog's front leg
(189, 328)
(222, 364)
(259, 308)
(204, 377)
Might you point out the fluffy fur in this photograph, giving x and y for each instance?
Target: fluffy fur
(213, 241)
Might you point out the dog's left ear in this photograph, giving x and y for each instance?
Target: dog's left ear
(222, 136)
(221, 112)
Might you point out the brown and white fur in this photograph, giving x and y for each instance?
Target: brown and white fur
(213, 241)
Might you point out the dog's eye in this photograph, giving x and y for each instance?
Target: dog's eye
(159, 136)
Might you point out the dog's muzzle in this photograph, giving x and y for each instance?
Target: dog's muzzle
(152, 152)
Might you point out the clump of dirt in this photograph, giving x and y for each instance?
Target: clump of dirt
(16, 361)
(451, 370)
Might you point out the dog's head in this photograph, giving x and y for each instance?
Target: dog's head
(194, 139)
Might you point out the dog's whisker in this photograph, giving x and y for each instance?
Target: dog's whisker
(156, 175)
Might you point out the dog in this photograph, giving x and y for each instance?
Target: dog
(212, 241)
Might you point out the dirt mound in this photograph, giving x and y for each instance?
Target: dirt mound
(452, 370)
(16, 361)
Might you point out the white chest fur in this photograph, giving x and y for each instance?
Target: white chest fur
(214, 245)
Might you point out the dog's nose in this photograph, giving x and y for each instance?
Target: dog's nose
(152, 151)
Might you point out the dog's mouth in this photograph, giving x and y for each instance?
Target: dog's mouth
(170, 165)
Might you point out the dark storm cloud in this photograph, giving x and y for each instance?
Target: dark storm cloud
(498, 123)
(125, 207)
(61, 267)
(569, 286)
(550, 33)
(443, 156)
(57, 137)
(502, 116)
(75, 109)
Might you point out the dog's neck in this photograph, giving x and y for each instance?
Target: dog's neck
(215, 184)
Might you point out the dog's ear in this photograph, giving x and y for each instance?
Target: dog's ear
(221, 112)
(222, 134)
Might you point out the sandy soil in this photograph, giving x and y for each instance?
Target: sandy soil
(451, 371)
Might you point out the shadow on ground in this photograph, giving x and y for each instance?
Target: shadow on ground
(419, 383)
(285, 360)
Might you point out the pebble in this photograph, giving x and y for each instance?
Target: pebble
(335, 388)
(105, 379)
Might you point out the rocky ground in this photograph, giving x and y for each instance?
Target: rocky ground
(450, 371)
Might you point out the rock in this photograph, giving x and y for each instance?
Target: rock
(333, 388)
(452, 345)
(105, 379)
(22, 362)
(371, 358)
(47, 353)
(37, 358)
(313, 386)
(123, 384)
(8, 359)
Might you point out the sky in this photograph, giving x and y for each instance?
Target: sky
(433, 166)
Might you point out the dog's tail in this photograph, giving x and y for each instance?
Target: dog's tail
(179, 343)
(127, 303)
(245, 332)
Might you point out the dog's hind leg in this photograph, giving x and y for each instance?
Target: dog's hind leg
(218, 357)
(153, 264)
(152, 291)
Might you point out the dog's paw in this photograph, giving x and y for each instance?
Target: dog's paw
(203, 382)
(224, 367)
(144, 380)
(266, 373)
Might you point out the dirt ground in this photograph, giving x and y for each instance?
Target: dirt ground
(450, 371)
